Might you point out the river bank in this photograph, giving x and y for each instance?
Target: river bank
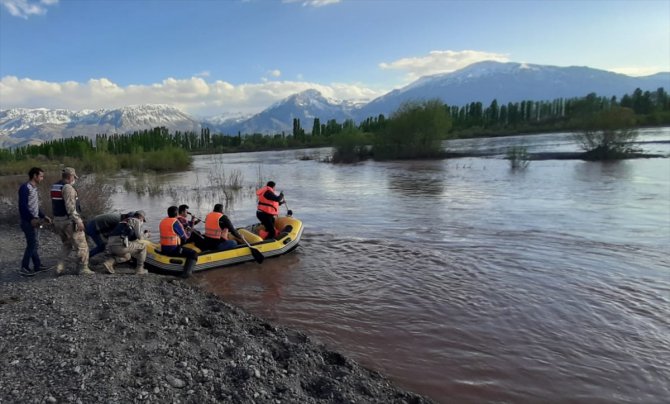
(123, 338)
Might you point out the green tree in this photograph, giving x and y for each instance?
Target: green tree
(316, 128)
(349, 146)
(415, 130)
(608, 134)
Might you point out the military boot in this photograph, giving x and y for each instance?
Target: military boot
(109, 265)
(60, 269)
(141, 271)
(85, 270)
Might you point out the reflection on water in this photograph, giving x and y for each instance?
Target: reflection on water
(607, 171)
(462, 279)
(424, 178)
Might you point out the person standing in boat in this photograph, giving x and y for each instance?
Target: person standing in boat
(268, 207)
(218, 229)
(172, 239)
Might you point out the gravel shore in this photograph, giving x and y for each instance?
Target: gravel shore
(124, 338)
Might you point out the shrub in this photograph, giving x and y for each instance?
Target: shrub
(94, 194)
(415, 130)
(608, 134)
(349, 146)
(518, 157)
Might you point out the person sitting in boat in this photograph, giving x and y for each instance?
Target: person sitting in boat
(192, 235)
(218, 231)
(268, 208)
(172, 239)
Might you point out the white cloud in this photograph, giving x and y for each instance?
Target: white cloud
(440, 62)
(637, 71)
(193, 95)
(313, 3)
(204, 73)
(274, 73)
(26, 8)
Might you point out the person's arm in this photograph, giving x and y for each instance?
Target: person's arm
(136, 227)
(225, 223)
(186, 225)
(272, 196)
(177, 227)
(70, 199)
(24, 209)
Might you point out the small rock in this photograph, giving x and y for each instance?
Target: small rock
(157, 390)
(15, 362)
(175, 382)
(51, 399)
(257, 373)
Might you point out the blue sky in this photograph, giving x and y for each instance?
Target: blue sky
(210, 57)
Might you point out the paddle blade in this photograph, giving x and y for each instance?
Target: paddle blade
(258, 256)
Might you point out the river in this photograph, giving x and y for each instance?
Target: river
(462, 279)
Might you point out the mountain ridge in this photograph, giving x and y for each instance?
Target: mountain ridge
(479, 82)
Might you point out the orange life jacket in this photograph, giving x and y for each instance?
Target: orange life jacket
(264, 233)
(168, 236)
(266, 205)
(212, 228)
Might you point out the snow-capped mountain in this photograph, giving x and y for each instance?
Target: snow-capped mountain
(483, 82)
(224, 119)
(19, 126)
(512, 82)
(305, 106)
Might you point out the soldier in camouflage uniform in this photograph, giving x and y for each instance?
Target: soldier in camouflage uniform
(68, 223)
(125, 241)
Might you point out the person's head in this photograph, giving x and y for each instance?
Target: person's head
(172, 211)
(69, 175)
(218, 208)
(140, 215)
(36, 174)
(271, 184)
(183, 210)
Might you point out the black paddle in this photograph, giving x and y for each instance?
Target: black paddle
(289, 212)
(258, 256)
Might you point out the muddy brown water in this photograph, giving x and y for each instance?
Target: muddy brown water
(461, 279)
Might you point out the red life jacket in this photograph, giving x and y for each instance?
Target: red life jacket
(168, 236)
(266, 205)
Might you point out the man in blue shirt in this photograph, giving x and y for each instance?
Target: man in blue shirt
(32, 218)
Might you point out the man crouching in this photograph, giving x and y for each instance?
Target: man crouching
(124, 242)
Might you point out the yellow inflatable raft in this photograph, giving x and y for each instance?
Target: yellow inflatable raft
(289, 238)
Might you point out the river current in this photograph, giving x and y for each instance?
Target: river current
(462, 279)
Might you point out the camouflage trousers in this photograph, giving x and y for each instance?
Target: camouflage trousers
(121, 253)
(71, 239)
